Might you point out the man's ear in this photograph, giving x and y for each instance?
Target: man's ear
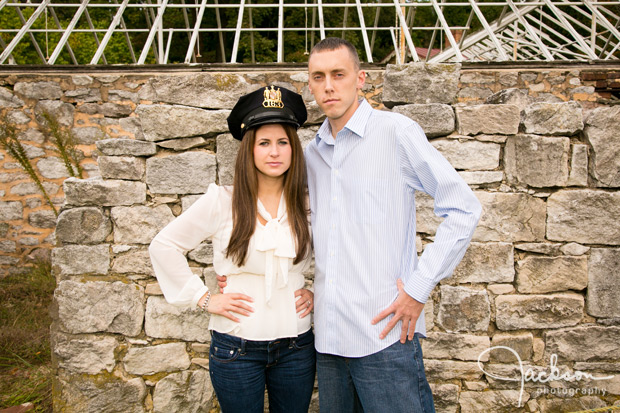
(361, 79)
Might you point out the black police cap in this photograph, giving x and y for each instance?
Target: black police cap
(266, 105)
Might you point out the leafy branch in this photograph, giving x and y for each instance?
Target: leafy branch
(11, 144)
(64, 142)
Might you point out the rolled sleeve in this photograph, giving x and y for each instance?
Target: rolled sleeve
(178, 283)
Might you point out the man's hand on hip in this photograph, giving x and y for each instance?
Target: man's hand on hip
(405, 309)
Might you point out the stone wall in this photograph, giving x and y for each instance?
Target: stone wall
(539, 147)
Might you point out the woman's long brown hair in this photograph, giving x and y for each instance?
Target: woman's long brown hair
(245, 198)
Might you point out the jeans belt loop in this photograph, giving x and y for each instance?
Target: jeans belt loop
(242, 345)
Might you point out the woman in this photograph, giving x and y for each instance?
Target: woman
(261, 323)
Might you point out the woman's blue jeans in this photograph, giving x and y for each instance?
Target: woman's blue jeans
(390, 381)
(240, 369)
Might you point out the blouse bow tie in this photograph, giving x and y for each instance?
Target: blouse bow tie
(277, 243)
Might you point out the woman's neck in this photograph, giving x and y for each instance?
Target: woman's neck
(269, 193)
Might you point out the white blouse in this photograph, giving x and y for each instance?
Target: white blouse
(268, 275)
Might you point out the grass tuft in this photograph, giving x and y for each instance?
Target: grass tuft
(25, 356)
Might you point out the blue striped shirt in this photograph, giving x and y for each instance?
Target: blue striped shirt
(362, 187)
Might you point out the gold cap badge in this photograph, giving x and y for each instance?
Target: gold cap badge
(273, 98)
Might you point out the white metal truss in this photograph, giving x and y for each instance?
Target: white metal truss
(227, 31)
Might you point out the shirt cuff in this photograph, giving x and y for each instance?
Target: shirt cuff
(198, 296)
(419, 288)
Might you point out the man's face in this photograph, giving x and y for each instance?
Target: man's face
(334, 81)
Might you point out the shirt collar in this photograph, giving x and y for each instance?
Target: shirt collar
(357, 123)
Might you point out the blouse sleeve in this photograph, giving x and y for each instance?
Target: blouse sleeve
(180, 286)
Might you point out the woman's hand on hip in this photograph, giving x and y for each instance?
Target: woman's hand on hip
(227, 304)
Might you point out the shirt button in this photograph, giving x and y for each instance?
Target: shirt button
(331, 254)
(334, 198)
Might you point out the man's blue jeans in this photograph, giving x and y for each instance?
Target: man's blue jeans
(240, 369)
(390, 381)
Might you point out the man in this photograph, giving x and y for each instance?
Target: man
(363, 170)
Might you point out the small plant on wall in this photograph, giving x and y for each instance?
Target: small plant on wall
(11, 144)
(62, 139)
(64, 142)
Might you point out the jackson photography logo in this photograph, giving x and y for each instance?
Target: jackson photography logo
(553, 373)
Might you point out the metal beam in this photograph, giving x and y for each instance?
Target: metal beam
(220, 32)
(470, 18)
(568, 42)
(364, 33)
(403, 27)
(168, 46)
(124, 30)
(67, 33)
(57, 21)
(547, 29)
(608, 40)
(432, 42)
(280, 54)
(600, 17)
(252, 54)
(321, 19)
(92, 28)
(374, 32)
(3, 45)
(18, 37)
(559, 49)
(496, 27)
(530, 31)
(108, 35)
(399, 60)
(33, 40)
(233, 56)
(447, 31)
(2, 4)
(192, 41)
(189, 35)
(154, 28)
(345, 13)
(487, 28)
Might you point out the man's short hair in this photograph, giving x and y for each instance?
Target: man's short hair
(333, 43)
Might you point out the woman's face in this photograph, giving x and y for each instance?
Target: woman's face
(272, 150)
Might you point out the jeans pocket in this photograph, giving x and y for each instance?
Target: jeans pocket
(303, 341)
(223, 353)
